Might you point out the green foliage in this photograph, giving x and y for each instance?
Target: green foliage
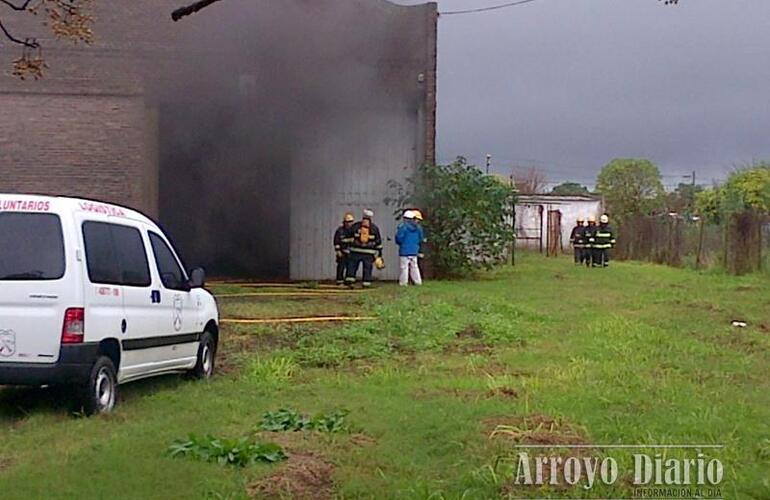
(467, 215)
(708, 204)
(682, 199)
(240, 452)
(273, 371)
(631, 186)
(570, 189)
(748, 189)
(745, 190)
(286, 419)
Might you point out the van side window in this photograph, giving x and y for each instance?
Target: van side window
(171, 274)
(32, 247)
(115, 255)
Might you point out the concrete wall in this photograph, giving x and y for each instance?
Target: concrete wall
(528, 223)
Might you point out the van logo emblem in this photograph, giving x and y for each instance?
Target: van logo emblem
(7, 343)
(177, 313)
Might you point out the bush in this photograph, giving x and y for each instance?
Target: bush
(468, 215)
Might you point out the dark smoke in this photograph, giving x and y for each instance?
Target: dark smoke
(243, 85)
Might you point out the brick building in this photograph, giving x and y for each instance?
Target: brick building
(247, 129)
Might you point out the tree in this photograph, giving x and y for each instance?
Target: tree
(67, 19)
(748, 189)
(570, 189)
(682, 199)
(467, 215)
(530, 181)
(631, 186)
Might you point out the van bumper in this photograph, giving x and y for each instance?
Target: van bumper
(74, 366)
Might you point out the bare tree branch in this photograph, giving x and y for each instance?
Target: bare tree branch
(191, 9)
(17, 7)
(29, 42)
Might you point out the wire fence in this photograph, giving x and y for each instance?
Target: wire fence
(740, 244)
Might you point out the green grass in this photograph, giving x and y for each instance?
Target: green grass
(633, 354)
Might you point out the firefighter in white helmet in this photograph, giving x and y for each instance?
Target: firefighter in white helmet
(366, 250)
(604, 239)
(588, 236)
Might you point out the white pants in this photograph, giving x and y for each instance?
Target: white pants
(409, 268)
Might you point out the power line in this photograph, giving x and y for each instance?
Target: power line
(485, 9)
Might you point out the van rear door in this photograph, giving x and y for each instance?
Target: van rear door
(33, 290)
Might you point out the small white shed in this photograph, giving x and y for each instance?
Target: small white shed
(544, 221)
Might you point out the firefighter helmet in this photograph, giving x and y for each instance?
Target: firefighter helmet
(417, 214)
(604, 219)
(591, 218)
(349, 217)
(580, 219)
(409, 214)
(368, 213)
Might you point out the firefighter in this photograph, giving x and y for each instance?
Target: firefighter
(343, 237)
(576, 239)
(604, 239)
(588, 237)
(365, 249)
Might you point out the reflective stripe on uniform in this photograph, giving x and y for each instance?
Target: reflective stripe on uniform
(368, 251)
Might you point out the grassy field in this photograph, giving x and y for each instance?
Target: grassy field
(446, 380)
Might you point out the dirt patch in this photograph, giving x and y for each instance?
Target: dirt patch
(305, 475)
(534, 429)
(443, 392)
(362, 440)
(503, 392)
(470, 332)
(467, 348)
(764, 327)
(5, 463)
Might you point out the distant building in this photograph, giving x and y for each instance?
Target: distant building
(544, 221)
(247, 129)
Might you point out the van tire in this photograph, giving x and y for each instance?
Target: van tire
(207, 350)
(100, 392)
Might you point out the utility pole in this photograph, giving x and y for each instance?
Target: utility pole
(489, 162)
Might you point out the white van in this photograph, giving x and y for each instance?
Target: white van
(93, 295)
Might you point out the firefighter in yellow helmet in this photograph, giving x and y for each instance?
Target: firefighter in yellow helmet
(365, 250)
(577, 241)
(343, 238)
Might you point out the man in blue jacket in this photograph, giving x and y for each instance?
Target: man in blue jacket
(409, 238)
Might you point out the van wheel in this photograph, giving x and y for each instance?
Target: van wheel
(101, 390)
(204, 367)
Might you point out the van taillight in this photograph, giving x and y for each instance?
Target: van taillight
(72, 331)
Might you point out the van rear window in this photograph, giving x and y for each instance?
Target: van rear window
(32, 248)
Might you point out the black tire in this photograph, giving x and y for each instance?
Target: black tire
(207, 350)
(100, 392)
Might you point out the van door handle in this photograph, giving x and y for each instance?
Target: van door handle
(123, 326)
(155, 296)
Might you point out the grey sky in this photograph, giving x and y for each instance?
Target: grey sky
(569, 84)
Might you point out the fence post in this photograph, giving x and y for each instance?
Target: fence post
(725, 241)
(700, 243)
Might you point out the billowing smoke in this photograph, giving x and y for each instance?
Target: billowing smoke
(242, 87)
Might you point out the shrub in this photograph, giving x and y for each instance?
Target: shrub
(239, 452)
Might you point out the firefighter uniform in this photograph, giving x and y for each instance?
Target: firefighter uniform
(364, 249)
(588, 237)
(343, 238)
(604, 239)
(577, 241)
